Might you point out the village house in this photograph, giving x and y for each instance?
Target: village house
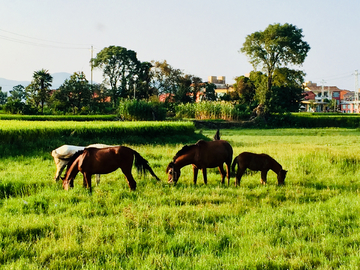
(221, 87)
(317, 98)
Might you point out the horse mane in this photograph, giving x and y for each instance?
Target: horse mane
(184, 150)
(72, 159)
(273, 160)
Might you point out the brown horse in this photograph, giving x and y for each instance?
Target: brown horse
(202, 155)
(104, 161)
(258, 162)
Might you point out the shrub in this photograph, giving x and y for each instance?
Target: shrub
(141, 110)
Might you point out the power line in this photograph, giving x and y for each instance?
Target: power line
(33, 41)
(336, 77)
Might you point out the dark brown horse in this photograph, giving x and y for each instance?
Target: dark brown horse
(202, 155)
(258, 162)
(104, 161)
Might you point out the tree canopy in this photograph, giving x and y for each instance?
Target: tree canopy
(39, 89)
(123, 72)
(275, 47)
(74, 93)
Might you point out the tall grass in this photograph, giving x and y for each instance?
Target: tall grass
(141, 110)
(209, 110)
(310, 223)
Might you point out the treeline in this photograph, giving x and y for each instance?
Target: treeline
(278, 90)
(125, 78)
(138, 90)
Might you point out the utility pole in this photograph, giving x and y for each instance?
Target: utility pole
(91, 62)
(322, 93)
(356, 93)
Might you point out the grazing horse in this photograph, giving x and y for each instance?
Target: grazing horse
(258, 162)
(104, 161)
(62, 156)
(202, 155)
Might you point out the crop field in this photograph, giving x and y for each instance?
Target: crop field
(313, 222)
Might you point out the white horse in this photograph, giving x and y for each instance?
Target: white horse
(63, 154)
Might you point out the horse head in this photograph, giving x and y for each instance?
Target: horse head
(65, 183)
(173, 173)
(281, 177)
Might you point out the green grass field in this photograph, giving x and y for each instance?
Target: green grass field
(312, 222)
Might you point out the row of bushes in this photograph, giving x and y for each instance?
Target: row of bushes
(14, 131)
(58, 117)
(313, 121)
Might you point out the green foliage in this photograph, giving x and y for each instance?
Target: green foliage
(74, 94)
(3, 97)
(38, 91)
(278, 45)
(176, 85)
(58, 117)
(124, 73)
(20, 133)
(141, 110)
(209, 110)
(306, 120)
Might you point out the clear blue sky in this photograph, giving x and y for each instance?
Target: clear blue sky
(200, 37)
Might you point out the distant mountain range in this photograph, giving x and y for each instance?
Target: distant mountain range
(58, 79)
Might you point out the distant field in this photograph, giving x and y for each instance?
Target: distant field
(312, 222)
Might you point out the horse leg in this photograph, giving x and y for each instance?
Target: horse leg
(222, 172)
(129, 179)
(87, 178)
(238, 176)
(228, 167)
(97, 179)
(60, 167)
(85, 185)
(204, 175)
(195, 170)
(263, 177)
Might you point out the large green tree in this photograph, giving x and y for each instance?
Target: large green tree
(38, 90)
(3, 97)
(15, 103)
(286, 93)
(74, 93)
(18, 93)
(277, 46)
(177, 85)
(244, 90)
(120, 70)
(165, 78)
(143, 90)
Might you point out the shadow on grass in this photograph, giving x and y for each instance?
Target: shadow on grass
(37, 147)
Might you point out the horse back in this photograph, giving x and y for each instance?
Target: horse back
(66, 151)
(255, 162)
(214, 153)
(105, 160)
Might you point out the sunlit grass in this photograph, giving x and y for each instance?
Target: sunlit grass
(310, 223)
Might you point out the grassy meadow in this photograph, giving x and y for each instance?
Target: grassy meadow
(312, 222)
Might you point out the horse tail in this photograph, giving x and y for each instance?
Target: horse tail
(234, 163)
(142, 165)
